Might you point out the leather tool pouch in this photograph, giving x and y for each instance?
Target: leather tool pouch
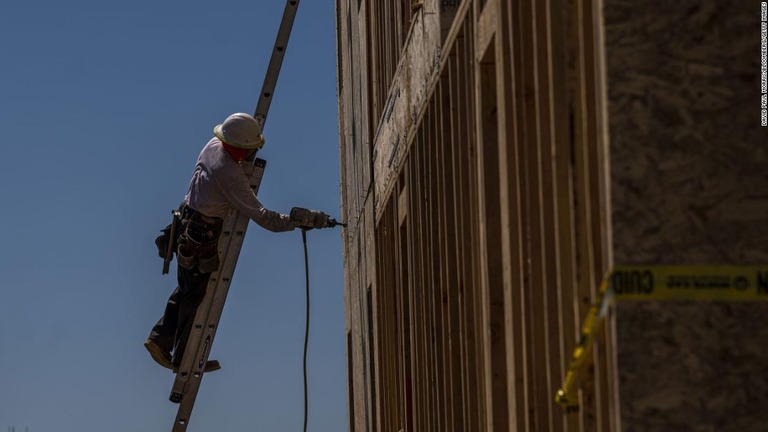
(192, 253)
(198, 245)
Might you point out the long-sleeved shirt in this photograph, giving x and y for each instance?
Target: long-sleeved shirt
(219, 183)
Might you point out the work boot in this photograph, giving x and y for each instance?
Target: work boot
(210, 366)
(159, 355)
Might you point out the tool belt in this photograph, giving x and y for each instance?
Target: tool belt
(195, 240)
(199, 241)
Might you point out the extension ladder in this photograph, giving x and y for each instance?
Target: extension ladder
(206, 322)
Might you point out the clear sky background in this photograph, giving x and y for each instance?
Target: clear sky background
(104, 107)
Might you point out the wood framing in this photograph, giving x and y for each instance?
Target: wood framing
(497, 157)
(485, 205)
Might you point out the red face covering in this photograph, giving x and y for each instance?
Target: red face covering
(237, 154)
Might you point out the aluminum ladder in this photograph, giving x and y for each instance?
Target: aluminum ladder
(206, 322)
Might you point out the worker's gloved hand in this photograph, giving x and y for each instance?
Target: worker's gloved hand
(307, 219)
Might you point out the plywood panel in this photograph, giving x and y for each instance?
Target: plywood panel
(688, 186)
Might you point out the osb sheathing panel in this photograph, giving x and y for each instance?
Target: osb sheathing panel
(420, 60)
(361, 274)
(357, 206)
(689, 178)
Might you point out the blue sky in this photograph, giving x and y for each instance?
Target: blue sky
(104, 107)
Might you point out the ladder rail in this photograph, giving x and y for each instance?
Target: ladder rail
(201, 337)
(276, 62)
(206, 322)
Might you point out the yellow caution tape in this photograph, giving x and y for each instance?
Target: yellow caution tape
(701, 282)
(690, 283)
(566, 396)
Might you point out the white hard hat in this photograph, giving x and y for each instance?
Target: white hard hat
(240, 130)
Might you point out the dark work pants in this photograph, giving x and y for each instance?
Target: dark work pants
(172, 330)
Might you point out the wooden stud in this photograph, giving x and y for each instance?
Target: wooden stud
(447, 142)
(566, 254)
(547, 125)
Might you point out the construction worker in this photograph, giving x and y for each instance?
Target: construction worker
(218, 184)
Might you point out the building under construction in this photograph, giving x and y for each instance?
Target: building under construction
(500, 157)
